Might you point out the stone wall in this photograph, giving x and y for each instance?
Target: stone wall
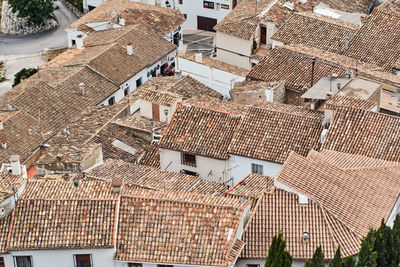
(12, 24)
(73, 9)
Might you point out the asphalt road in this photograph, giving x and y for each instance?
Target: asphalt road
(33, 43)
(201, 41)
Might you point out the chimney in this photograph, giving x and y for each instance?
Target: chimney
(82, 88)
(178, 74)
(4, 145)
(129, 49)
(269, 94)
(1, 124)
(346, 42)
(116, 185)
(198, 57)
(15, 165)
(156, 86)
(122, 21)
(364, 18)
(79, 42)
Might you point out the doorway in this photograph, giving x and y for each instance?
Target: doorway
(263, 34)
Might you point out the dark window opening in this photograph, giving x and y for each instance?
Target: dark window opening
(73, 42)
(161, 265)
(23, 261)
(111, 101)
(208, 4)
(91, 7)
(138, 82)
(185, 15)
(2, 264)
(135, 264)
(189, 159)
(177, 37)
(181, 2)
(253, 265)
(189, 173)
(126, 91)
(83, 260)
(257, 168)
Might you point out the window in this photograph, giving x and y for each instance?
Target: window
(138, 82)
(83, 260)
(161, 265)
(111, 101)
(23, 261)
(189, 159)
(126, 91)
(208, 4)
(189, 173)
(224, 6)
(134, 264)
(256, 168)
(181, 2)
(2, 264)
(185, 15)
(253, 265)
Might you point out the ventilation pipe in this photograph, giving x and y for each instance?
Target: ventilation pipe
(82, 88)
(198, 57)
(79, 42)
(129, 49)
(122, 21)
(270, 94)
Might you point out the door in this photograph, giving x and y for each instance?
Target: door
(234, 3)
(206, 24)
(263, 35)
(156, 112)
(83, 260)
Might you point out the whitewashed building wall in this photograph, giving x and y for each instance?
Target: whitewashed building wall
(233, 50)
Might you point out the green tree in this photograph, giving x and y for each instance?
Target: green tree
(277, 255)
(384, 246)
(349, 262)
(317, 260)
(368, 255)
(24, 73)
(396, 236)
(36, 10)
(337, 260)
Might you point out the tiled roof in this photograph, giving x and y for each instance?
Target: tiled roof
(253, 185)
(216, 64)
(347, 161)
(200, 131)
(390, 5)
(154, 178)
(4, 231)
(139, 123)
(318, 31)
(207, 102)
(359, 199)
(159, 97)
(21, 133)
(60, 189)
(365, 133)
(185, 86)
(280, 211)
(9, 184)
(297, 69)
(347, 101)
(62, 224)
(159, 18)
(249, 85)
(271, 135)
(291, 109)
(178, 228)
(151, 156)
(377, 40)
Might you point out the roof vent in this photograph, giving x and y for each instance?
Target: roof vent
(129, 49)
(305, 236)
(289, 5)
(122, 21)
(198, 57)
(79, 42)
(82, 88)
(4, 145)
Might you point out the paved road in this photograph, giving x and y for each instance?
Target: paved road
(33, 43)
(199, 41)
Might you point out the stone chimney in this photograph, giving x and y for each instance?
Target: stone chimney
(79, 42)
(129, 49)
(198, 57)
(116, 185)
(15, 165)
(269, 94)
(346, 42)
(82, 89)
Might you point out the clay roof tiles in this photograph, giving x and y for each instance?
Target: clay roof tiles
(253, 185)
(5, 226)
(347, 101)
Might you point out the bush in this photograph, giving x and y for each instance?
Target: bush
(23, 73)
(36, 10)
(77, 3)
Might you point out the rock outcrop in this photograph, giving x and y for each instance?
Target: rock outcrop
(12, 24)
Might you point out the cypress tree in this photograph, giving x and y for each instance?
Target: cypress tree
(337, 260)
(317, 259)
(396, 237)
(368, 255)
(277, 255)
(349, 262)
(384, 246)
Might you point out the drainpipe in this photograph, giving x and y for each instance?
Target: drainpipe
(314, 59)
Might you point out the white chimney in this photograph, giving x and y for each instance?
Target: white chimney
(198, 57)
(269, 94)
(4, 145)
(1, 125)
(346, 42)
(82, 88)
(15, 165)
(129, 49)
(122, 21)
(79, 42)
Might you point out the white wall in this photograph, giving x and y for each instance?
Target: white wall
(219, 80)
(146, 110)
(244, 262)
(234, 50)
(207, 168)
(62, 258)
(240, 167)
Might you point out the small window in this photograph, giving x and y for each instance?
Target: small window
(189, 159)
(2, 264)
(253, 265)
(208, 4)
(185, 15)
(23, 261)
(181, 2)
(111, 101)
(256, 168)
(126, 91)
(83, 260)
(161, 265)
(189, 173)
(138, 82)
(134, 264)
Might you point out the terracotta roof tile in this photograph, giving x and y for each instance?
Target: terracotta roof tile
(365, 133)
(200, 131)
(253, 185)
(159, 97)
(206, 102)
(175, 216)
(281, 211)
(347, 101)
(151, 156)
(291, 109)
(318, 31)
(4, 231)
(271, 135)
(9, 184)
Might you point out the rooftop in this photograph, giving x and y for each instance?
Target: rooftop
(346, 101)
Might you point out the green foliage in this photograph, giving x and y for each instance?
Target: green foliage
(254, 45)
(77, 3)
(349, 262)
(23, 73)
(36, 10)
(317, 260)
(337, 260)
(277, 255)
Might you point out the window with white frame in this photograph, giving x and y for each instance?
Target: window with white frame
(257, 168)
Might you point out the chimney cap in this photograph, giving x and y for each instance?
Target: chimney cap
(130, 43)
